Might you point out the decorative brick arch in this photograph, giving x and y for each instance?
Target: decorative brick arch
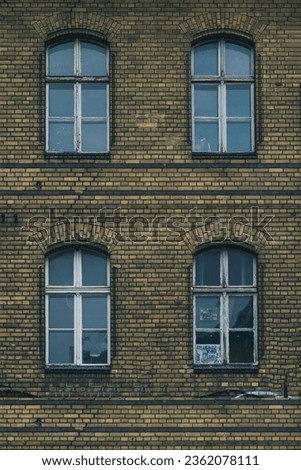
(235, 232)
(66, 231)
(221, 22)
(76, 20)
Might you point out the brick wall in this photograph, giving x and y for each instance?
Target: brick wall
(157, 191)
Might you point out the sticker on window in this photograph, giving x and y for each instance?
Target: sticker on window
(208, 354)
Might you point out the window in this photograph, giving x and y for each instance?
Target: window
(77, 98)
(77, 308)
(222, 97)
(225, 307)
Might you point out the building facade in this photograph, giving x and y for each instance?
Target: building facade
(150, 233)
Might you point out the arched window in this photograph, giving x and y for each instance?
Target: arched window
(77, 308)
(77, 81)
(223, 97)
(225, 307)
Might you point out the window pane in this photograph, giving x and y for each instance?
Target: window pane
(208, 349)
(207, 311)
(61, 136)
(61, 100)
(61, 347)
(93, 60)
(61, 308)
(61, 60)
(206, 59)
(94, 137)
(94, 100)
(95, 347)
(241, 311)
(61, 269)
(240, 268)
(238, 60)
(207, 268)
(238, 100)
(206, 100)
(95, 308)
(94, 269)
(241, 347)
(206, 137)
(239, 137)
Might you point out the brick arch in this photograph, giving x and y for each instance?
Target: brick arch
(72, 21)
(221, 22)
(66, 231)
(235, 232)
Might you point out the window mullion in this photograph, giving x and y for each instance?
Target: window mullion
(225, 328)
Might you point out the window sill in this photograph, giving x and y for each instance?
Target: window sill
(223, 156)
(78, 369)
(226, 368)
(72, 155)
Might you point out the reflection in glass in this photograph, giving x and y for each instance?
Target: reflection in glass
(240, 267)
(94, 308)
(61, 136)
(61, 269)
(207, 311)
(206, 59)
(238, 100)
(61, 60)
(61, 100)
(206, 136)
(93, 60)
(94, 137)
(206, 100)
(241, 346)
(95, 347)
(239, 136)
(241, 311)
(207, 268)
(61, 347)
(94, 269)
(238, 60)
(61, 311)
(94, 100)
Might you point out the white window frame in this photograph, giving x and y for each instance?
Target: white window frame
(224, 290)
(222, 81)
(77, 79)
(77, 291)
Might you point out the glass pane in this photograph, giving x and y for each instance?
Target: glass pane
(61, 60)
(206, 137)
(241, 311)
(95, 311)
(61, 100)
(206, 100)
(207, 268)
(240, 265)
(241, 347)
(208, 349)
(239, 137)
(93, 59)
(238, 100)
(61, 269)
(206, 59)
(238, 60)
(61, 136)
(207, 311)
(61, 308)
(61, 347)
(94, 100)
(94, 269)
(95, 347)
(94, 137)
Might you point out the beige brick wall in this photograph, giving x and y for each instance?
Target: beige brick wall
(150, 174)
